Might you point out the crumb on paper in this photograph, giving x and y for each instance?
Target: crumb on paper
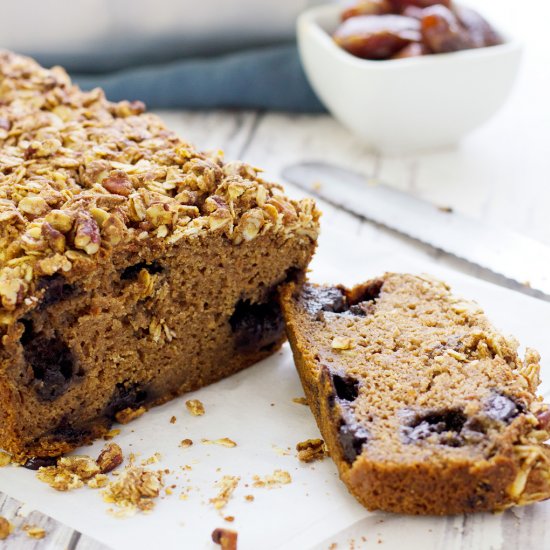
(226, 486)
(98, 482)
(300, 400)
(224, 442)
(127, 415)
(446, 209)
(185, 443)
(276, 479)
(111, 434)
(249, 498)
(69, 473)
(195, 407)
(110, 458)
(133, 490)
(173, 420)
(34, 532)
(6, 528)
(316, 185)
(157, 457)
(229, 519)
(72, 472)
(333, 546)
(225, 538)
(5, 459)
(311, 450)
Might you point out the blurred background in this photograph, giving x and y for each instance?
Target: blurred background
(188, 54)
(170, 53)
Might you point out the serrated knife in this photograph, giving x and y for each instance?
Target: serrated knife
(520, 260)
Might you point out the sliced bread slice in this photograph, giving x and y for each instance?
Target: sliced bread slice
(424, 406)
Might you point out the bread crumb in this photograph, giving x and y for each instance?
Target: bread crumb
(300, 400)
(173, 420)
(71, 472)
(224, 442)
(134, 489)
(226, 538)
(5, 459)
(195, 407)
(226, 486)
(229, 518)
(34, 532)
(186, 443)
(6, 528)
(278, 478)
(311, 450)
(111, 434)
(157, 457)
(249, 498)
(98, 482)
(127, 415)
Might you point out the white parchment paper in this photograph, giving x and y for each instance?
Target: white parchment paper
(255, 409)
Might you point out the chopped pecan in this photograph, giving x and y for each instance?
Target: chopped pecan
(226, 538)
(118, 183)
(86, 236)
(109, 458)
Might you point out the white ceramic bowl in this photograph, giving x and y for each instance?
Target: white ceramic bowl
(410, 104)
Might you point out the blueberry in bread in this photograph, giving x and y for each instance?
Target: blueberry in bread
(424, 406)
(132, 267)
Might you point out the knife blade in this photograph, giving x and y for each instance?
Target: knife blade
(518, 259)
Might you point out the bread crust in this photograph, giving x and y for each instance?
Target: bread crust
(133, 268)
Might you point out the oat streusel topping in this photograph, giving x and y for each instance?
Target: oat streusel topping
(80, 176)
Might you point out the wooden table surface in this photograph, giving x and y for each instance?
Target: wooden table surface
(501, 174)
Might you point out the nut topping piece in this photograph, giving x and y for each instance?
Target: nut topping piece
(109, 458)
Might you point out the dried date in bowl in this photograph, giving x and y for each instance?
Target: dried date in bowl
(367, 7)
(382, 29)
(377, 37)
(481, 32)
(405, 105)
(402, 5)
(442, 31)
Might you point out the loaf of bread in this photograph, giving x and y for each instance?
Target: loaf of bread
(424, 406)
(132, 267)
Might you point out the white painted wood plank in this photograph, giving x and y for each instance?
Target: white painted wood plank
(227, 130)
(58, 536)
(282, 139)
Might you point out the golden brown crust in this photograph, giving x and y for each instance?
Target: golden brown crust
(439, 471)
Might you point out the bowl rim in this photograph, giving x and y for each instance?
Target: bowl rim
(308, 22)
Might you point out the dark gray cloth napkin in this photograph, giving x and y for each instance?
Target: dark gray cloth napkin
(268, 78)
